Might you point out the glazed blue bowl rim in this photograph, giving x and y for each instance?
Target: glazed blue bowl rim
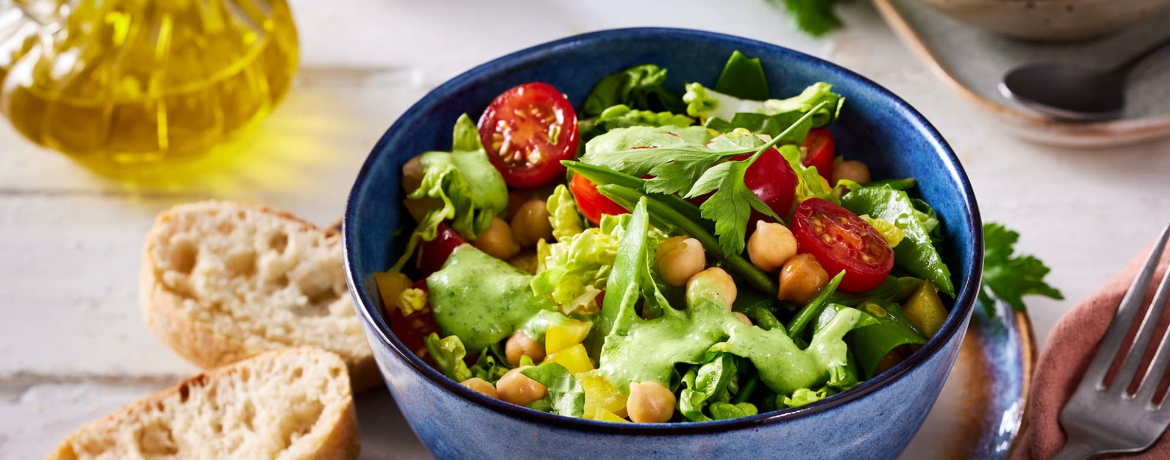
(964, 303)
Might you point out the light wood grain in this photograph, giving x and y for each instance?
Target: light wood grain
(73, 346)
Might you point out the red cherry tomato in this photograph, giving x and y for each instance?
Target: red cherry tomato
(590, 201)
(412, 329)
(433, 254)
(774, 181)
(819, 151)
(842, 241)
(527, 131)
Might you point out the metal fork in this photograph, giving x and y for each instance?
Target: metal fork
(1102, 419)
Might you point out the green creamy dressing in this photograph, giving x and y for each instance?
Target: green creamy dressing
(648, 349)
(482, 300)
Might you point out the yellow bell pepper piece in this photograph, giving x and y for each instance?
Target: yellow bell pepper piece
(565, 335)
(607, 416)
(600, 394)
(390, 286)
(926, 309)
(574, 358)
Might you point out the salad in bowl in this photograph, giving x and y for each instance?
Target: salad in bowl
(657, 257)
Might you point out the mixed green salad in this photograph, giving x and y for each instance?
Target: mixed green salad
(652, 257)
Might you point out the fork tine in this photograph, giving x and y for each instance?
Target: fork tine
(1141, 341)
(1122, 320)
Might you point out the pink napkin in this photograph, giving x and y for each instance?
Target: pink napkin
(1067, 354)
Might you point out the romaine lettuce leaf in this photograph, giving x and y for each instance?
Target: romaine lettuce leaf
(803, 397)
(575, 270)
(703, 102)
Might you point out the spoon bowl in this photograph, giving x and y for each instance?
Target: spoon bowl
(1067, 91)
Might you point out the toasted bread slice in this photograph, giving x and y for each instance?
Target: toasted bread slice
(286, 404)
(222, 282)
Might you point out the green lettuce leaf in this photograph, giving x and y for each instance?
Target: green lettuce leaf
(916, 253)
(563, 215)
(803, 397)
(758, 123)
(809, 183)
(471, 190)
(707, 382)
(1008, 277)
(448, 354)
(622, 116)
(566, 396)
(703, 102)
(724, 411)
(641, 87)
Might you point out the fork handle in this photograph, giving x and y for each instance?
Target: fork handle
(1075, 450)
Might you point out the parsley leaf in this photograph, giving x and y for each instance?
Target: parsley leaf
(1009, 278)
(731, 204)
(814, 17)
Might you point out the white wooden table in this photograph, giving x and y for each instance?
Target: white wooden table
(72, 343)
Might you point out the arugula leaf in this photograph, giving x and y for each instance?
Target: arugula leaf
(743, 77)
(471, 190)
(706, 103)
(565, 394)
(814, 17)
(448, 354)
(916, 252)
(1007, 277)
(640, 87)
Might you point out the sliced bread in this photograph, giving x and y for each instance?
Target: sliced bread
(221, 282)
(286, 404)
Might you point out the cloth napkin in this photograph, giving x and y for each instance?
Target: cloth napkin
(1067, 354)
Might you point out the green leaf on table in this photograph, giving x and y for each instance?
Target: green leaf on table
(565, 394)
(814, 17)
(1008, 277)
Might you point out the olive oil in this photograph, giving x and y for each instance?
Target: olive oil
(128, 85)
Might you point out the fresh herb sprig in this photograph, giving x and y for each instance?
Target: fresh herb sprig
(1008, 277)
(731, 205)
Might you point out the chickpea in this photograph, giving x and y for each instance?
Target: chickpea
(711, 284)
(412, 174)
(801, 278)
(481, 386)
(516, 198)
(742, 318)
(520, 344)
(679, 258)
(531, 224)
(518, 389)
(650, 402)
(770, 246)
(855, 171)
(497, 240)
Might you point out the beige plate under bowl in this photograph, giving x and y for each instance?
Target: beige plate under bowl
(972, 61)
(1051, 20)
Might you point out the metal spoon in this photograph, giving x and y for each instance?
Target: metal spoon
(1071, 91)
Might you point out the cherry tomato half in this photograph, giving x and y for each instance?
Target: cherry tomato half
(842, 241)
(774, 181)
(590, 201)
(527, 131)
(434, 253)
(819, 151)
(412, 329)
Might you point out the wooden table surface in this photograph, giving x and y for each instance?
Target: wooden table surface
(73, 345)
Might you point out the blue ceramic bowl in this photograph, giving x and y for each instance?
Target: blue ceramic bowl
(874, 420)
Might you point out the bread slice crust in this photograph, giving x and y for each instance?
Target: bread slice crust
(292, 404)
(215, 332)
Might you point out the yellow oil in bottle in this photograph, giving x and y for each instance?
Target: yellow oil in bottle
(126, 86)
